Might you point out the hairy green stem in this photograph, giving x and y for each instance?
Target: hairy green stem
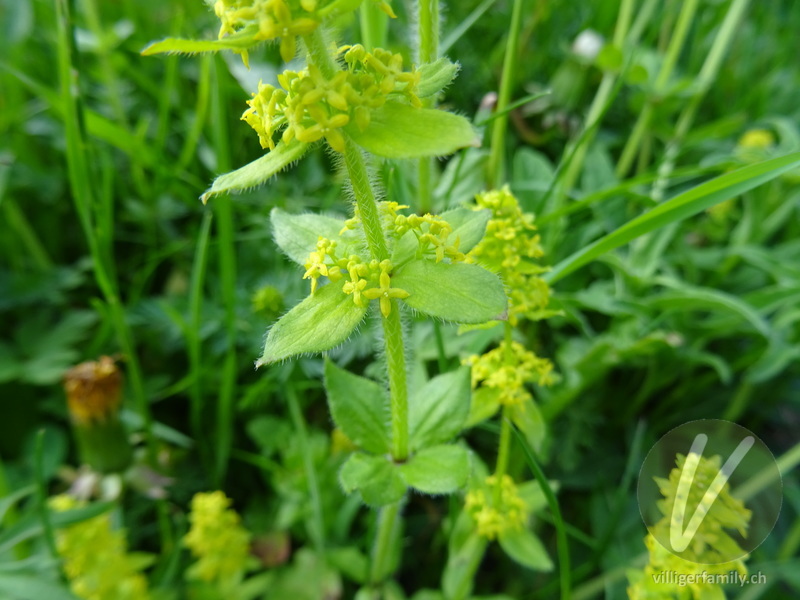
(428, 15)
(374, 26)
(387, 521)
(398, 390)
(319, 54)
(504, 443)
(366, 204)
(495, 167)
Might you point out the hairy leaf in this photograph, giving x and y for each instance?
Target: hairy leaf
(438, 410)
(401, 131)
(458, 292)
(320, 322)
(258, 171)
(437, 470)
(359, 408)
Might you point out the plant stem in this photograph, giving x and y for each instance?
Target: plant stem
(374, 26)
(227, 270)
(41, 497)
(387, 521)
(708, 73)
(495, 168)
(643, 122)
(428, 14)
(398, 390)
(318, 53)
(505, 420)
(366, 204)
(317, 525)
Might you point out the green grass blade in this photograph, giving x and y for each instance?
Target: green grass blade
(564, 569)
(681, 207)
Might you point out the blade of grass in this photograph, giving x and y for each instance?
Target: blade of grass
(564, 570)
(465, 25)
(227, 266)
(678, 208)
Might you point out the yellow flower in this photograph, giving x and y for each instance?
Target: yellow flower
(385, 292)
(756, 138)
(496, 507)
(509, 369)
(216, 539)
(511, 249)
(96, 560)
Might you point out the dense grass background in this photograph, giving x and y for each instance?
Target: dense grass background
(698, 320)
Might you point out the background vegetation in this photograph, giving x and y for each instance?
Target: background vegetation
(700, 319)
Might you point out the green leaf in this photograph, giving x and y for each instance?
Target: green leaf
(401, 131)
(241, 40)
(462, 563)
(349, 561)
(359, 408)
(320, 322)
(469, 226)
(458, 292)
(525, 548)
(258, 171)
(678, 208)
(435, 76)
(32, 586)
(438, 410)
(484, 405)
(297, 235)
(529, 420)
(377, 478)
(437, 470)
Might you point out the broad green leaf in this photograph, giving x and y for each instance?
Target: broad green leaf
(32, 586)
(401, 131)
(297, 235)
(438, 410)
(678, 208)
(359, 408)
(457, 579)
(533, 496)
(350, 561)
(469, 226)
(437, 470)
(377, 478)
(435, 76)
(320, 322)
(524, 547)
(458, 292)
(529, 420)
(258, 171)
(241, 40)
(484, 405)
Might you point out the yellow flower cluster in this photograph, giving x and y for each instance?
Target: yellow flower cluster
(96, 560)
(432, 232)
(508, 369)
(709, 551)
(496, 507)
(217, 539)
(312, 107)
(368, 280)
(510, 248)
(272, 19)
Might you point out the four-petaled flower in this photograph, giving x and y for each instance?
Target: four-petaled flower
(385, 292)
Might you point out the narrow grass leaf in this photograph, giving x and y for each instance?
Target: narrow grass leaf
(681, 207)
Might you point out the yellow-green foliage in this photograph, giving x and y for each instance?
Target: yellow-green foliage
(217, 540)
(709, 552)
(96, 560)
